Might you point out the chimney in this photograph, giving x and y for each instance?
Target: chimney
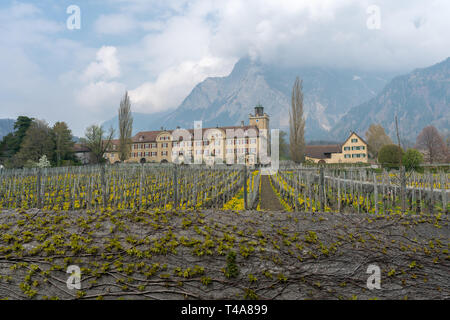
(162, 129)
(242, 123)
(178, 127)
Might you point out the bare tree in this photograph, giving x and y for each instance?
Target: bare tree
(397, 133)
(97, 143)
(430, 141)
(377, 138)
(297, 124)
(125, 128)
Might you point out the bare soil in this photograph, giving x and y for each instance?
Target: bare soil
(269, 200)
(183, 255)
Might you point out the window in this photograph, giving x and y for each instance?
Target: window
(164, 153)
(229, 151)
(354, 140)
(229, 142)
(198, 152)
(252, 150)
(165, 145)
(346, 148)
(253, 141)
(175, 144)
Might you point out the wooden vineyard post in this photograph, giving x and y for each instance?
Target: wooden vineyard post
(38, 188)
(194, 202)
(141, 177)
(103, 183)
(175, 188)
(338, 179)
(305, 199)
(321, 190)
(245, 186)
(444, 192)
(296, 187)
(431, 193)
(375, 192)
(403, 188)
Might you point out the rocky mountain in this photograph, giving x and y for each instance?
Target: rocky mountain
(419, 99)
(328, 95)
(6, 126)
(141, 122)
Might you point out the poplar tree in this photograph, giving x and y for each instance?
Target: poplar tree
(297, 123)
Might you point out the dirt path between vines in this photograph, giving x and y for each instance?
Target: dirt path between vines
(269, 200)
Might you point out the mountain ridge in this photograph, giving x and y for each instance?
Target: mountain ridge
(419, 98)
(329, 93)
(6, 126)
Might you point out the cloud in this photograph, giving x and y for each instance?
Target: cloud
(100, 96)
(292, 33)
(115, 24)
(160, 49)
(106, 66)
(174, 84)
(100, 92)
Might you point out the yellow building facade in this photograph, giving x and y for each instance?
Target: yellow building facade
(232, 144)
(353, 150)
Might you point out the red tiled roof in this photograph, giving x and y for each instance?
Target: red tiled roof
(77, 147)
(147, 136)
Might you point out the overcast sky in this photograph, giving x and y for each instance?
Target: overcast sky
(159, 50)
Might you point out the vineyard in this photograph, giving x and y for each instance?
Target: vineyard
(350, 190)
(188, 232)
(362, 190)
(125, 187)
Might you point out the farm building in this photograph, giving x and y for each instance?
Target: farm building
(353, 150)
